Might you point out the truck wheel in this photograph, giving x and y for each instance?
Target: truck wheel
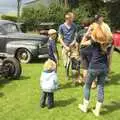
(12, 68)
(23, 55)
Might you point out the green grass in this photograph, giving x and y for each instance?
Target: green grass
(19, 99)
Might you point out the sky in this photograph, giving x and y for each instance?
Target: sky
(9, 5)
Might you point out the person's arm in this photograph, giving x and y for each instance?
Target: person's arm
(54, 49)
(109, 30)
(74, 41)
(56, 81)
(75, 36)
(110, 33)
(60, 37)
(62, 42)
(85, 40)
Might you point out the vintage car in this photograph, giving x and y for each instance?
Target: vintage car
(45, 26)
(23, 46)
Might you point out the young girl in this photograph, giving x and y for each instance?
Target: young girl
(48, 83)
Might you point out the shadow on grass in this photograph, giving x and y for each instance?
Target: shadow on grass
(64, 103)
(24, 77)
(4, 81)
(70, 85)
(1, 94)
(67, 85)
(115, 79)
(114, 106)
(36, 61)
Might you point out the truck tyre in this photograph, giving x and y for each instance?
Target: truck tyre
(12, 68)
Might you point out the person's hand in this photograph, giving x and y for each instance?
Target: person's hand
(86, 43)
(72, 44)
(67, 48)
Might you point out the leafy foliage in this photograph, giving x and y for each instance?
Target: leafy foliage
(7, 17)
(114, 14)
(33, 15)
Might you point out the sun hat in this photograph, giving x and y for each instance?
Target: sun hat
(52, 31)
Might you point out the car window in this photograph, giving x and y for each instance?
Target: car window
(11, 28)
(1, 31)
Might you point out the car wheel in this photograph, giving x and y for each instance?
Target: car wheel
(23, 55)
(11, 68)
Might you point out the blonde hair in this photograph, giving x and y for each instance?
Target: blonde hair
(100, 36)
(49, 65)
(69, 15)
(52, 31)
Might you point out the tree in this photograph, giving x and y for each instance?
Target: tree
(73, 3)
(110, 1)
(18, 9)
(69, 3)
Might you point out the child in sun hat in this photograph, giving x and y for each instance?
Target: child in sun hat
(48, 83)
(53, 53)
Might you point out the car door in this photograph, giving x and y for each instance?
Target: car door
(10, 29)
(2, 40)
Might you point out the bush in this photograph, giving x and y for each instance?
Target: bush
(56, 13)
(114, 14)
(7, 17)
(33, 15)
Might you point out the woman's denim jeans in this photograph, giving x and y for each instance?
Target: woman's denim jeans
(92, 75)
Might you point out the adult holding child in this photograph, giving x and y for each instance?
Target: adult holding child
(98, 21)
(98, 67)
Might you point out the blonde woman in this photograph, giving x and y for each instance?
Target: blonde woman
(98, 66)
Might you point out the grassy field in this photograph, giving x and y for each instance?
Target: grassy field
(19, 99)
